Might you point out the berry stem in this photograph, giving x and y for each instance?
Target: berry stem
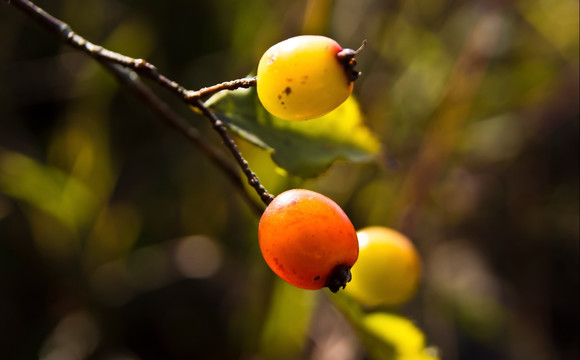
(172, 119)
(221, 129)
(228, 85)
(126, 69)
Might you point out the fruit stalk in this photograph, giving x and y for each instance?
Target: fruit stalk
(228, 85)
(220, 127)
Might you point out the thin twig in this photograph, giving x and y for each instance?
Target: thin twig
(228, 85)
(67, 35)
(134, 83)
(144, 68)
(140, 66)
(220, 127)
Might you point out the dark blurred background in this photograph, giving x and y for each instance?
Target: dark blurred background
(120, 240)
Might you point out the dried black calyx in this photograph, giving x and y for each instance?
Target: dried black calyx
(346, 58)
(338, 278)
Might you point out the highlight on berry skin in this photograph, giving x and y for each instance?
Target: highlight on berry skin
(305, 77)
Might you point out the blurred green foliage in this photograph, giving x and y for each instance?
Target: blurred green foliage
(119, 239)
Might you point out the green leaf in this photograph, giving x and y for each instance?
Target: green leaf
(386, 336)
(405, 338)
(302, 148)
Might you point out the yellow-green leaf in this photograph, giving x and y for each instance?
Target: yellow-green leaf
(302, 148)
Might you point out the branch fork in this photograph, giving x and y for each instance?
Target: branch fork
(127, 70)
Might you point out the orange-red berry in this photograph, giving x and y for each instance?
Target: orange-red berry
(308, 240)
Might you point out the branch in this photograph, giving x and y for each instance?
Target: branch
(144, 68)
(134, 83)
(220, 127)
(140, 66)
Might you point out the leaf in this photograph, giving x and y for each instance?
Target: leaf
(406, 339)
(302, 148)
(386, 336)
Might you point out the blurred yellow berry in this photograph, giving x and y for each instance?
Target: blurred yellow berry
(388, 268)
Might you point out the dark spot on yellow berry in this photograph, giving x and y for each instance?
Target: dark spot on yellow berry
(288, 90)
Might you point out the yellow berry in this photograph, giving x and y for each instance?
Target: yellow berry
(388, 269)
(303, 78)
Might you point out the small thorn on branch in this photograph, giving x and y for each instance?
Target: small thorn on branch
(144, 64)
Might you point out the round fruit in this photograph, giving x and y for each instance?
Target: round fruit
(307, 240)
(388, 269)
(305, 77)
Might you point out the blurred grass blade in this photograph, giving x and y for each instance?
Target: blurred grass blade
(285, 331)
(47, 189)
